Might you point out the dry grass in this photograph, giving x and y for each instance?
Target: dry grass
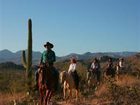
(5, 99)
(126, 89)
(102, 90)
(102, 95)
(128, 80)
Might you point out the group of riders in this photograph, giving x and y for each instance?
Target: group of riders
(110, 70)
(48, 58)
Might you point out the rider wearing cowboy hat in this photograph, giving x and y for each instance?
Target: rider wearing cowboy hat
(48, 56)
(47, 59)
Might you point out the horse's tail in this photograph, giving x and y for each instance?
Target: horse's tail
(56, 75)
(75, 78)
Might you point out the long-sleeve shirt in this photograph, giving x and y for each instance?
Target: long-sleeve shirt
(121, 64)
(95, 66)
(72, 67)
(48, 56)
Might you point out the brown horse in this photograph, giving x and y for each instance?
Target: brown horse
(47, 84)
(41, 85)
(109, 74)
(119, 71)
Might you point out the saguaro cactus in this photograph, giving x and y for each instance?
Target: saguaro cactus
(27, 63)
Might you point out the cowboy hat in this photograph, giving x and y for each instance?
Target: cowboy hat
(48, 44)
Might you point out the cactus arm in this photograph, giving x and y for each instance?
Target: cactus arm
(24, 59)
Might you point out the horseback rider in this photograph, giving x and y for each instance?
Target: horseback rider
(48, 56)
(121, 65)
(110, 69)
(95, 69)
(47, 59)
(73, 72)
(110, 63)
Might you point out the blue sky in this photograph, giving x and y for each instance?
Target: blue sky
(73, 26)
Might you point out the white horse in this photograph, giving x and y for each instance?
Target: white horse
(119, 71)
(68, 84)
(91, 80)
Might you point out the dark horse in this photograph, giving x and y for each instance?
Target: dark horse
(47, 83)
(109, 73)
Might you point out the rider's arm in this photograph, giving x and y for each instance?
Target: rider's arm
(92, 66)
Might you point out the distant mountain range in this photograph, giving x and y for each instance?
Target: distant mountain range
(8, 56)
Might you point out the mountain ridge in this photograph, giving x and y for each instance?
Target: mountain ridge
(7, 55)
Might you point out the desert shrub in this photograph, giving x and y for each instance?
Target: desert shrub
(12, 81)
(124, 95)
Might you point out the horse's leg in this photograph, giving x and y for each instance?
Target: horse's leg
(116, 75)
(70, 93)
(50, 95)
(77, 94)
(64, 90)
(98, 77)
(88, 85)
(41, 96)
(46, 97)
(64, 93)
(106, 77)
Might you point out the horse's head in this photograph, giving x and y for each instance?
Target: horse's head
(63, 76)
(40, 68)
